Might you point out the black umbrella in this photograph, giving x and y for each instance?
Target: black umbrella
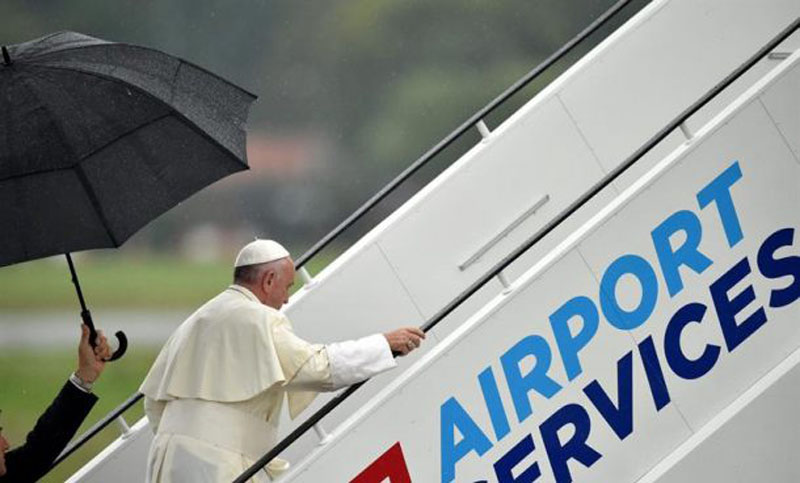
(98, 138)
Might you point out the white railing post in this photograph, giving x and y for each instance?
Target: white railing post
(123, 427)
(686, 131)
(504, 282)
(323, 436)
(306, 277)
(483, 129)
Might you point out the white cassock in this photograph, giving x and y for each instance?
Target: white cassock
(214, 394)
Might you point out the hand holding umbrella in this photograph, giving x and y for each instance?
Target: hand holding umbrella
(86, 316)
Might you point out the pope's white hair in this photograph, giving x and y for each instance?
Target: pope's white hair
(250, 274)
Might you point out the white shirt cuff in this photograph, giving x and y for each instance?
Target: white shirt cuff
(77, 383)
(353, 361)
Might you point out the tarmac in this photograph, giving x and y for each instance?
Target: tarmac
(57, 329)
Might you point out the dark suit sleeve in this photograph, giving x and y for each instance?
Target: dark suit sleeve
(50, 436)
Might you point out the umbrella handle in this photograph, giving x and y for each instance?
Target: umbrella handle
(122, 339)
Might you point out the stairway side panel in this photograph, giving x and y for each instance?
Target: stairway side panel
(628, 94)
(541, 156)
(763, 199)
(413, 410)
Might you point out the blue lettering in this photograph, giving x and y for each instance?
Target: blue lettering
(452, 417)
(569, 346)
(642, 270)
(687, 254)
(719, 192)
(727, 308)
(559, 454)
(678, 362)
(494, 404)
(504, 466)
(782, 267)
(537, 379)
(620, 417)
(655, 375)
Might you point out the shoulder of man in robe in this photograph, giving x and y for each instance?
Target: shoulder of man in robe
(246, 313)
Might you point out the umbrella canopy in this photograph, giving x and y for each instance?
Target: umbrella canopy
(98, 138)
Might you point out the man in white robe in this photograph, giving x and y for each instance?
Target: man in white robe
(215, 392)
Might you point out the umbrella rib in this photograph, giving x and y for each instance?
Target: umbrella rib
(89, 155)
(106, 44)
(29, 83)
(23, 235)
(175, 112)
(33, 173)
(95, 203)
(126, 134)
(109, 143)
(79, 171)
(79, 159)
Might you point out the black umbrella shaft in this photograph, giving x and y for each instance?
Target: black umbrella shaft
(85, 314)
(75, 281)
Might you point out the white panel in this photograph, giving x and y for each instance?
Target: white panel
(468, 308)
(739, 86)
(123, 461)
(625, 96)
(540, 155)
(559, 233)
(755, 439)
(783, 104)
(364, 298)
(670, 143)
(713, 108)
(763, 199)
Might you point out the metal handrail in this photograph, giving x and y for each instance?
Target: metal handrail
(97, 427)
(503, 264)
(391, 186)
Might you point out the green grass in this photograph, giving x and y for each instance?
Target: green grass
(118, 282)
(112, 282)
(30, 381)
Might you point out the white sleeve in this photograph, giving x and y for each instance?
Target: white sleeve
(353, 361)
(313, 375)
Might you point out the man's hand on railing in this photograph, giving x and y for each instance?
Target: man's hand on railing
(402, 341)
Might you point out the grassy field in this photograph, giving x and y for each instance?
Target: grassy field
(31, 379)
(117, 282)
(112, 282)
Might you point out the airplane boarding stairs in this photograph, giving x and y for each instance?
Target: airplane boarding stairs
(509, 186)
(658, 342)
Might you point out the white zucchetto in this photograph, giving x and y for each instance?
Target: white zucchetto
(260, 251)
